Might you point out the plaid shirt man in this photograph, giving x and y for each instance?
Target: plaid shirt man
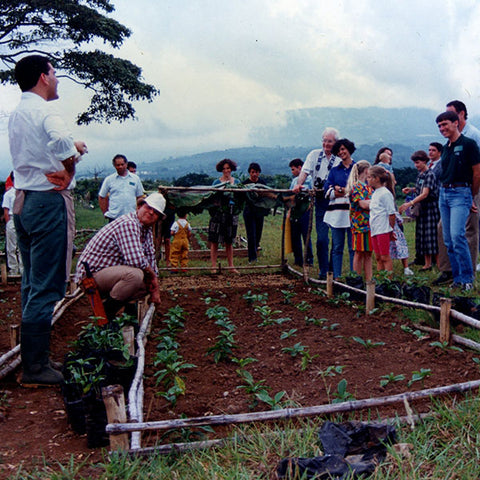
(124, 241)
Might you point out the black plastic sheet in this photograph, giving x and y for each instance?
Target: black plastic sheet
(352, 449)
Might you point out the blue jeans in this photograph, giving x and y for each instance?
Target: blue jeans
(455, 204)
(42, 239)
(299, 228)
(338, 244)
(322, 236)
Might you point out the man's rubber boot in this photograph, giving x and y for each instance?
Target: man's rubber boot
(131, 309)
(41, 376)
(112, 307)
(56, 365)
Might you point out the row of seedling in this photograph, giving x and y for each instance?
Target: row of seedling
(168, 360)
(222, 350)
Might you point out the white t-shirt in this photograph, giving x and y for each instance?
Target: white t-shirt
(174, 228)
(317, 169)
(8, 199)
(382, 205)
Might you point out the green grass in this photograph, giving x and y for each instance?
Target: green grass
(88, 217)
(443, 446)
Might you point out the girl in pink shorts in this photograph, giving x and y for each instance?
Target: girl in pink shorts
(382, 216)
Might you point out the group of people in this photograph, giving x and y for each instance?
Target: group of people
(356, 200)
(353, 200)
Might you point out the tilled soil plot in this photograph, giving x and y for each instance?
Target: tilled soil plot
(33, 422)
(340, 340)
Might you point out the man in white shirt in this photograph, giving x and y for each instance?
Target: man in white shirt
(318, 164)
(44, 155)
(120, 191)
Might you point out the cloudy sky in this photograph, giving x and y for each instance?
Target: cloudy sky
(224, 68)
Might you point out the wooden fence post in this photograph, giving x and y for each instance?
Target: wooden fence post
(370, 301)
(129, 338)
(14, 335)
(116, 413)
(3, 268)
(329, 284)
(445, 307)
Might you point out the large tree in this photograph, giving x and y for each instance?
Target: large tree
(62, 29)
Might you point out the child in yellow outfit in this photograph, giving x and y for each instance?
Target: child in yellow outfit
(181, 232)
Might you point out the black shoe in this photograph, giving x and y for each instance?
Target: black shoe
(443, 278)
(39, 376)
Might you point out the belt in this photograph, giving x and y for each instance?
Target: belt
(456, 185)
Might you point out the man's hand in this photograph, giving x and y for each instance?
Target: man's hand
(155, 298)
(151, 281)
(81, 147)
(61, 179)
(474, 208)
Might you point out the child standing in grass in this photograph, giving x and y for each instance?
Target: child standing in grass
(360, 194)
(181, 232)
(382, 216)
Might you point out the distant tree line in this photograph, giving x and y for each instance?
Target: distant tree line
(87, 189)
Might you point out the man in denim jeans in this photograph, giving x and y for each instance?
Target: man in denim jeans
(318, 164)
(460, 180)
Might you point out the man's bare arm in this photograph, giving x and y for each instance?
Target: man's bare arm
(103, 204)
(301, 179)
(475, 179)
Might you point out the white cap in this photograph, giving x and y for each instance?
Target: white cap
(156, 201)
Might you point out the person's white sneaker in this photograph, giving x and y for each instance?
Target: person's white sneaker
(478, 267)
(408, 271)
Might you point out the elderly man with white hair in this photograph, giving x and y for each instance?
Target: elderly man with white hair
(121, 257)
(318, 164)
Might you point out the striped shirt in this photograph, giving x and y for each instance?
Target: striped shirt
(125, 241)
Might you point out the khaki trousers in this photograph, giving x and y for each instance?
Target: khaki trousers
(121, 282)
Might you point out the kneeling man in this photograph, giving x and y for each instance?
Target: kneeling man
(121, 257)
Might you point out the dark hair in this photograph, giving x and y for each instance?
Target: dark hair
(350, 146)
(377, 157)
(221, 163)
(420, 155)
(458, 106)
(254, 166)
(119, 155)
(438, 146)
(181, 212)
(131, 164)
(296, 162)
(448, 115)
(28, 71)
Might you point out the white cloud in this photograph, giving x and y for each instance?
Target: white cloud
(224, 68)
